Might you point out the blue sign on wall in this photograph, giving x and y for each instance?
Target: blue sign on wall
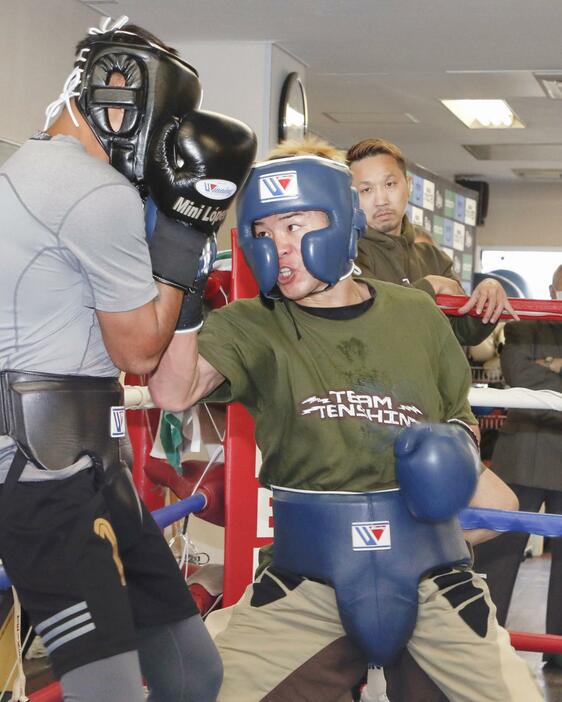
(448, 233)
(417, 191)
(459, 207)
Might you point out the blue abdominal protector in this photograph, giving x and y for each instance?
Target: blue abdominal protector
(372, 551)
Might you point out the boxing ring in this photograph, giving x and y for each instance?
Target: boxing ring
(243, 506)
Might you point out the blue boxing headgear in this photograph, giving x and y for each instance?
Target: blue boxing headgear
(294, 184)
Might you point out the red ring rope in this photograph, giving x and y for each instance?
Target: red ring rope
(526, 309)
(522, 641)
(541, 643)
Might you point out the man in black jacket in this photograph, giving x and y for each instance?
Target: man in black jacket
(388, 251)
(528, 456)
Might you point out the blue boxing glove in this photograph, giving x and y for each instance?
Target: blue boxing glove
(437, 467)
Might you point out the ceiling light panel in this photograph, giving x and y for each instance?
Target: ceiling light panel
(551, 83)
(515, 152)
(484, 114)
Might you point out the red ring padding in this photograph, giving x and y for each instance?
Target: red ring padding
(51, 693)
(541, 643)
(161, 472)
(218, 287)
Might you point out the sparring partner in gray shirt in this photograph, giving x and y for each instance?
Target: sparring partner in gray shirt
(78, 301)
(61, 261)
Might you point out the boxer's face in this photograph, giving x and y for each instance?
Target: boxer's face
(383, 191)
(286, 231)
(115, 114)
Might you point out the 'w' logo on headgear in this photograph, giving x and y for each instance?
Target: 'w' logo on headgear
(370, 536)
(279, 186)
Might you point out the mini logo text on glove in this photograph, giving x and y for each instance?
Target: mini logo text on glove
(370, 536)
(117, 422)
(279, 186)
(202, 213)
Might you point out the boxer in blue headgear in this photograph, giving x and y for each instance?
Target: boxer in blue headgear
(368, 556)
(301, 183)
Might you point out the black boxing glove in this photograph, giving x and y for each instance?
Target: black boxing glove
(175, 248)
(188, 272)
(195, 166)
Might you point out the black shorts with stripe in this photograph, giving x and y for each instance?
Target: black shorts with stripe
(84, 595)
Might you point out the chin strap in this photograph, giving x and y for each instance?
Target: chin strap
(353, 270)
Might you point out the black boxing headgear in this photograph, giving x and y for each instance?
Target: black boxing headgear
(158, 86)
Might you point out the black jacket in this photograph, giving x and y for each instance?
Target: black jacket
(529, 448)
(398, 259)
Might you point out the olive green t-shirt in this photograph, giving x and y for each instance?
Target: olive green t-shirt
(329, 405)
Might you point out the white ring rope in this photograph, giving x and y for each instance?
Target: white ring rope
(516, 398)
(138, 397)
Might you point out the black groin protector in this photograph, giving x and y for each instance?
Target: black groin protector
(55, 419)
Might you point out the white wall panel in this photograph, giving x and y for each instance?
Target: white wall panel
(523, 214)
(37, 41)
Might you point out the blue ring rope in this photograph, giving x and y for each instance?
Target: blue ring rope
(500, 520)
(178, 510)
(493, 519)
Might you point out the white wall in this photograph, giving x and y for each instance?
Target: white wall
(242, 80)
(235, 79)
(523, 215)
(37, 40)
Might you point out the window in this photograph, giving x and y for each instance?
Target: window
(535, 267)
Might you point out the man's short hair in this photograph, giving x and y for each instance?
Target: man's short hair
(557, 276)
(309, 146)
(375, 147)
(134, 29)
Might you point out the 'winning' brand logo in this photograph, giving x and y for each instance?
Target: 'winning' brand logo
(370, 536)
(215, 188)
(279, 186)
(117, 424)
